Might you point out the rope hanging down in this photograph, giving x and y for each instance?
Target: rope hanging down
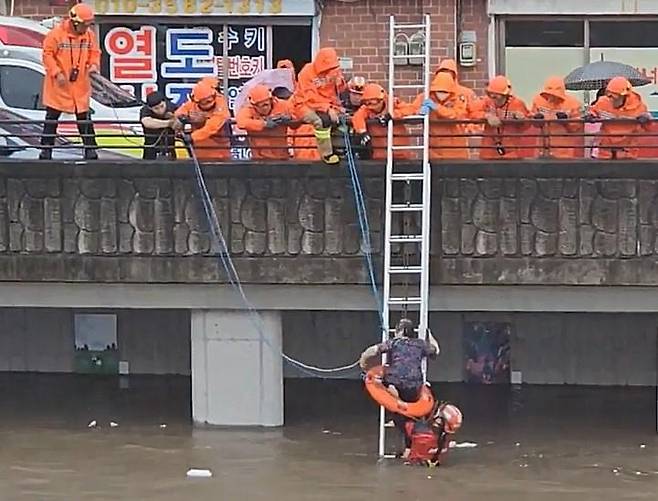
(232, 275)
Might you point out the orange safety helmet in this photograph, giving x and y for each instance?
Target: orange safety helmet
(373, 92)
(619, 86)
(451, 416)
(259, 94)
(326, 60)
(203, 90)
(500, 85)
(447, 65)
(443, 82)
(356, 84)
(554, 86)
(212, 81)
(81, 13)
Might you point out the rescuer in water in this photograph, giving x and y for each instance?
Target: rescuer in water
(427, 440)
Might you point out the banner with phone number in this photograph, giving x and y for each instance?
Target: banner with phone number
(143, 58)
(203, 7)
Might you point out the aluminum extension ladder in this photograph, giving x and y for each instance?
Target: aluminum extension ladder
(414, 208)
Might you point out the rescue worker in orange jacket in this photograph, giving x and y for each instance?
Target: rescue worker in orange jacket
(553, 103)
(449, 66)
(302, 139)
(316, 99)
(447, 140)
(266, 119)
(370, 123)
(208, 114)
(620, 140)
(352, 96)
(70, 56)
(500, 108)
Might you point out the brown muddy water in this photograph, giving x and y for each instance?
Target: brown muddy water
(534, 443)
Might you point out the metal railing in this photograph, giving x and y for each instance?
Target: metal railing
(449, 140)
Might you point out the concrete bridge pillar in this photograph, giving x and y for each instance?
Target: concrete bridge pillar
(237, 370)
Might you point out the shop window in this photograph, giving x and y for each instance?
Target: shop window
(291, 42)
(557, 33)
(623, 33)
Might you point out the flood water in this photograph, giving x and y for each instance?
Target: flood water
(534, 443)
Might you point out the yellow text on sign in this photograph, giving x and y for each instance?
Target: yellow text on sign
(188, 7)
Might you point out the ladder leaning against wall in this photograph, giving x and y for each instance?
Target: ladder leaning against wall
(408, 193)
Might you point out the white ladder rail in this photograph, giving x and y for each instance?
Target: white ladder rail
(392, 178)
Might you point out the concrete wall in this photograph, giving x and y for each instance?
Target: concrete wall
(547, 348)
(42, 340)
(36, 340)
(539, 224)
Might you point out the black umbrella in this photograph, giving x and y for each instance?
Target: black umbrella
(594, 76)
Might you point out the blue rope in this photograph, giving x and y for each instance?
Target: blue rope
(232, 275)
(362, 212)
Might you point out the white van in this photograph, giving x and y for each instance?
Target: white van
(21, 84)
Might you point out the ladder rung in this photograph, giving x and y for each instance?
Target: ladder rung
(390, 456)
(396, 148)
(408, 26)
(409, 86)
(406, 207)
(400, 270)
(392, 331)
(401, 176)
(414, 117)
(404, 300)
(409, 56)
(406, 238)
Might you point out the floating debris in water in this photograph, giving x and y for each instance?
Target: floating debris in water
(523, 465)
(518, 444)
(615, 471)
(461, 445)
(92, 424)
(113, 424)
(163, 426)
(326, 432)
(336, 433)
(490, 442)
(643, 446)
(197, 473)
(429, 477)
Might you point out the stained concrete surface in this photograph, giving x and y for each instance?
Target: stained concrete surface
(539, 443)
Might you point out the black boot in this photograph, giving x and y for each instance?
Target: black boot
(90, 154)
(46, 154)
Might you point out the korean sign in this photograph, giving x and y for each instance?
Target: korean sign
(204, 7)
(142, 58)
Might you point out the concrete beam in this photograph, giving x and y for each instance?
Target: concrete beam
(327, 297)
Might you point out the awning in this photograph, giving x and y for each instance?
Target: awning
(571, 7)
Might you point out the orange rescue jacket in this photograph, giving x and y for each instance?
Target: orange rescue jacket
(319, 84)
(266, 144)
(63, 52)
(211, 138)
(379, 133)
(447, 140)
(554, 141)
(505, 141)
(622, 138)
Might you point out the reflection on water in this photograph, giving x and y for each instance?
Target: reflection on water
(573, 443)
